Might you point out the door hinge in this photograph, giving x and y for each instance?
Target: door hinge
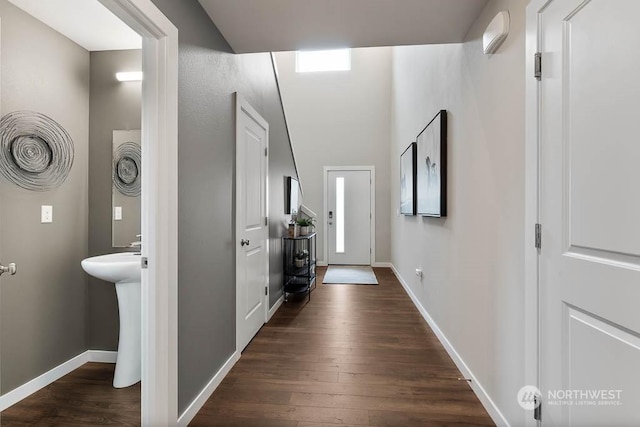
(537, 66)
(266, 290)
(537, 411)
(539, 236)
(144, 262)
(266, 151)
(266, 221)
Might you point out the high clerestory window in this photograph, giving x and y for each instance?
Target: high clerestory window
(308, 61)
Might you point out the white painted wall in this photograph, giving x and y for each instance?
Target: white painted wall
(338, 119)
(473, 261)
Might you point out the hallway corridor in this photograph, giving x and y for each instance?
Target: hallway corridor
(356, 355)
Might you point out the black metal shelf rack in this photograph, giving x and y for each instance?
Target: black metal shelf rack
(299, 279)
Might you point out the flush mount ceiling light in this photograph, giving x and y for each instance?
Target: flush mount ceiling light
(496, 32)
(129, 76)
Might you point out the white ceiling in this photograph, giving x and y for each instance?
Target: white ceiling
(279, 25)
(86, 22)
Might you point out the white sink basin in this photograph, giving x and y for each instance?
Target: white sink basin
(123, 269)
(114, 268)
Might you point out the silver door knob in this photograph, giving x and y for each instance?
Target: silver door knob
(244, 242)
(11, 269)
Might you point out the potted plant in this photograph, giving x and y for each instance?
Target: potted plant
(301, 258)
(306, 225)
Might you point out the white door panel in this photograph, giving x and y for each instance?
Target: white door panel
(590, 209)
(349, 217)
(252, 274)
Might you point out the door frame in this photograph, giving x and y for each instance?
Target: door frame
(532, 200)
(159, 207)
(325, 230)
(243, 105)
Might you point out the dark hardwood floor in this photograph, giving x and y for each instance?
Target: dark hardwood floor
(355, 355)
(85, 397)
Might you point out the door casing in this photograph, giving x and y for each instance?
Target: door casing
(159, 207)
(325, 231)
(532, 202)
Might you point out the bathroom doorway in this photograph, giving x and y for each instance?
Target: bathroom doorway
(57, 188)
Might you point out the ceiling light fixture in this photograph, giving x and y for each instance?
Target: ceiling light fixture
(129, 76)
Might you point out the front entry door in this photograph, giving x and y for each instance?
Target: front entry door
(590, 213)
(349, 217)
(252, 230)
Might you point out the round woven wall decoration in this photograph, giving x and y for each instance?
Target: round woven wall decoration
(127, 159)
(36, 152)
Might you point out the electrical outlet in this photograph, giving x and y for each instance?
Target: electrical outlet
(46, 214)
(117, 213)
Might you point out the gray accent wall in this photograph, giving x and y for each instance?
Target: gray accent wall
(209, 74)
(43, 306)
(114, 105)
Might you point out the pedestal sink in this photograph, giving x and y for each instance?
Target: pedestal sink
(123, 269)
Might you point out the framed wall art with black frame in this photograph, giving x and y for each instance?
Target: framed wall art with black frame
(292, 196)
(432, 167)
(408, 180)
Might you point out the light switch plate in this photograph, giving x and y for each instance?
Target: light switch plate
(117, 213)
(46, 214)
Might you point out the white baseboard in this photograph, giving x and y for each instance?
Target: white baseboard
(40, 382)
(197, 403)
(381, 264)
(275, 308)
(477, 388)
(321, 263)
(102, 356)
(25, 390)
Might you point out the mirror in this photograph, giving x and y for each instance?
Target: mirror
(292, 196)
(126, 176)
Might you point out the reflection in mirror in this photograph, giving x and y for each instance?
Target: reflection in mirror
(126, 176)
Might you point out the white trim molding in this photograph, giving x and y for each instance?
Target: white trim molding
(532, 202)
(381, 264)
(192, 410)
(325, 234)
(27, 389)
(477, 388)
(159, 207)
(102, 356)
(275, 308)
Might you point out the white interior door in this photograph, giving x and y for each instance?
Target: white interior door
(252, 232)
(590, 212)
(349, 217)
